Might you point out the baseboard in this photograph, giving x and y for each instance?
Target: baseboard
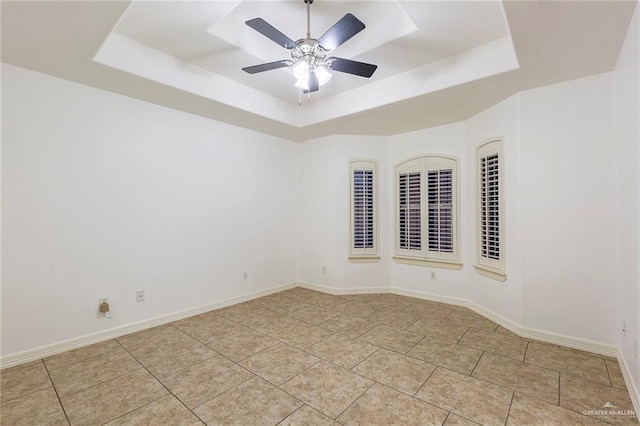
(529, 333)
(342, 291)
(628, 380)
(429, 296)
(89, 339)
(568, 341)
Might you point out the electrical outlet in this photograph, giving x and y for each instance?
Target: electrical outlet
(324, 269)
(140, 296)
(433, 275)
(100, 313)
(245, 275)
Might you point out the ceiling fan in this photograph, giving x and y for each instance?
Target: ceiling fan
(311, 66)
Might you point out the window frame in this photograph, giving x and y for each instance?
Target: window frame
(492, 268)
(363, 254)
(425, 257)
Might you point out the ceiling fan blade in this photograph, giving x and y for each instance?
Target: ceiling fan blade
(341, 31)
(269, 31)
(314, 83)
(267, 66)
(352, 67)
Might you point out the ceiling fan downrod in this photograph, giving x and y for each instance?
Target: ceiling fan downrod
(308, 2)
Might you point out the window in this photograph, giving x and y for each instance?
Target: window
(364, 218)
(490, 220)
(426, 211)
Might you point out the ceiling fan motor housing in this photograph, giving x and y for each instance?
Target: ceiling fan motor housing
(310, 51)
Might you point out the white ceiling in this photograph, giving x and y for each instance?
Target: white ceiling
(438, 61)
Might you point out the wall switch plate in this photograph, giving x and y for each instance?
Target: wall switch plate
(245, 275)
(140, 296)
(324, 269)
(433, 275)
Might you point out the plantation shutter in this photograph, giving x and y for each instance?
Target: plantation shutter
(410, 211)
(490, 214)
(410, 208)
(440, 211)
(427, 209)
(363, 208)
(490, 207)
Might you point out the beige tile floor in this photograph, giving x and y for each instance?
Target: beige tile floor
(301, 357)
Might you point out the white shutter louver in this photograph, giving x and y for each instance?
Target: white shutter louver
(363, 208)
(363, 233)
(410, 211)
(490, 210)
(440, 210)
(490, 207)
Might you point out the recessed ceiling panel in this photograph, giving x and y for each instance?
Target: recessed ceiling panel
(399, 36)
(460, 59)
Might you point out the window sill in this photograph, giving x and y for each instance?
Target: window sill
(364, 259)
(495, 274)
(428, 262)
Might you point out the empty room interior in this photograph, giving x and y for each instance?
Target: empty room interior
(302, 212)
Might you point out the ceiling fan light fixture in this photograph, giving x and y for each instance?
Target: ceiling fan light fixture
(303, 83)
(302, 70)
(323, 75)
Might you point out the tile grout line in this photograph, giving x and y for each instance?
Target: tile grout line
(82, 360)
(30, 392)
(417, 319)
(366, 358)
(424, 383)
(53, 385)
(356, 400)
(559, 384)
(105, 381)
(414, 346)
(255, 376)
(161, 384)
(291, 413)
(463, 334)
(513, 395)
(137, 408)
(476, 365)
(606, 366)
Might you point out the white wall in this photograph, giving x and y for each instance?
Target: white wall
(627, 114)
(448, 140)
(104, 195)
(561, 247)
(568, 211)
(324, 199)
(501, 120)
